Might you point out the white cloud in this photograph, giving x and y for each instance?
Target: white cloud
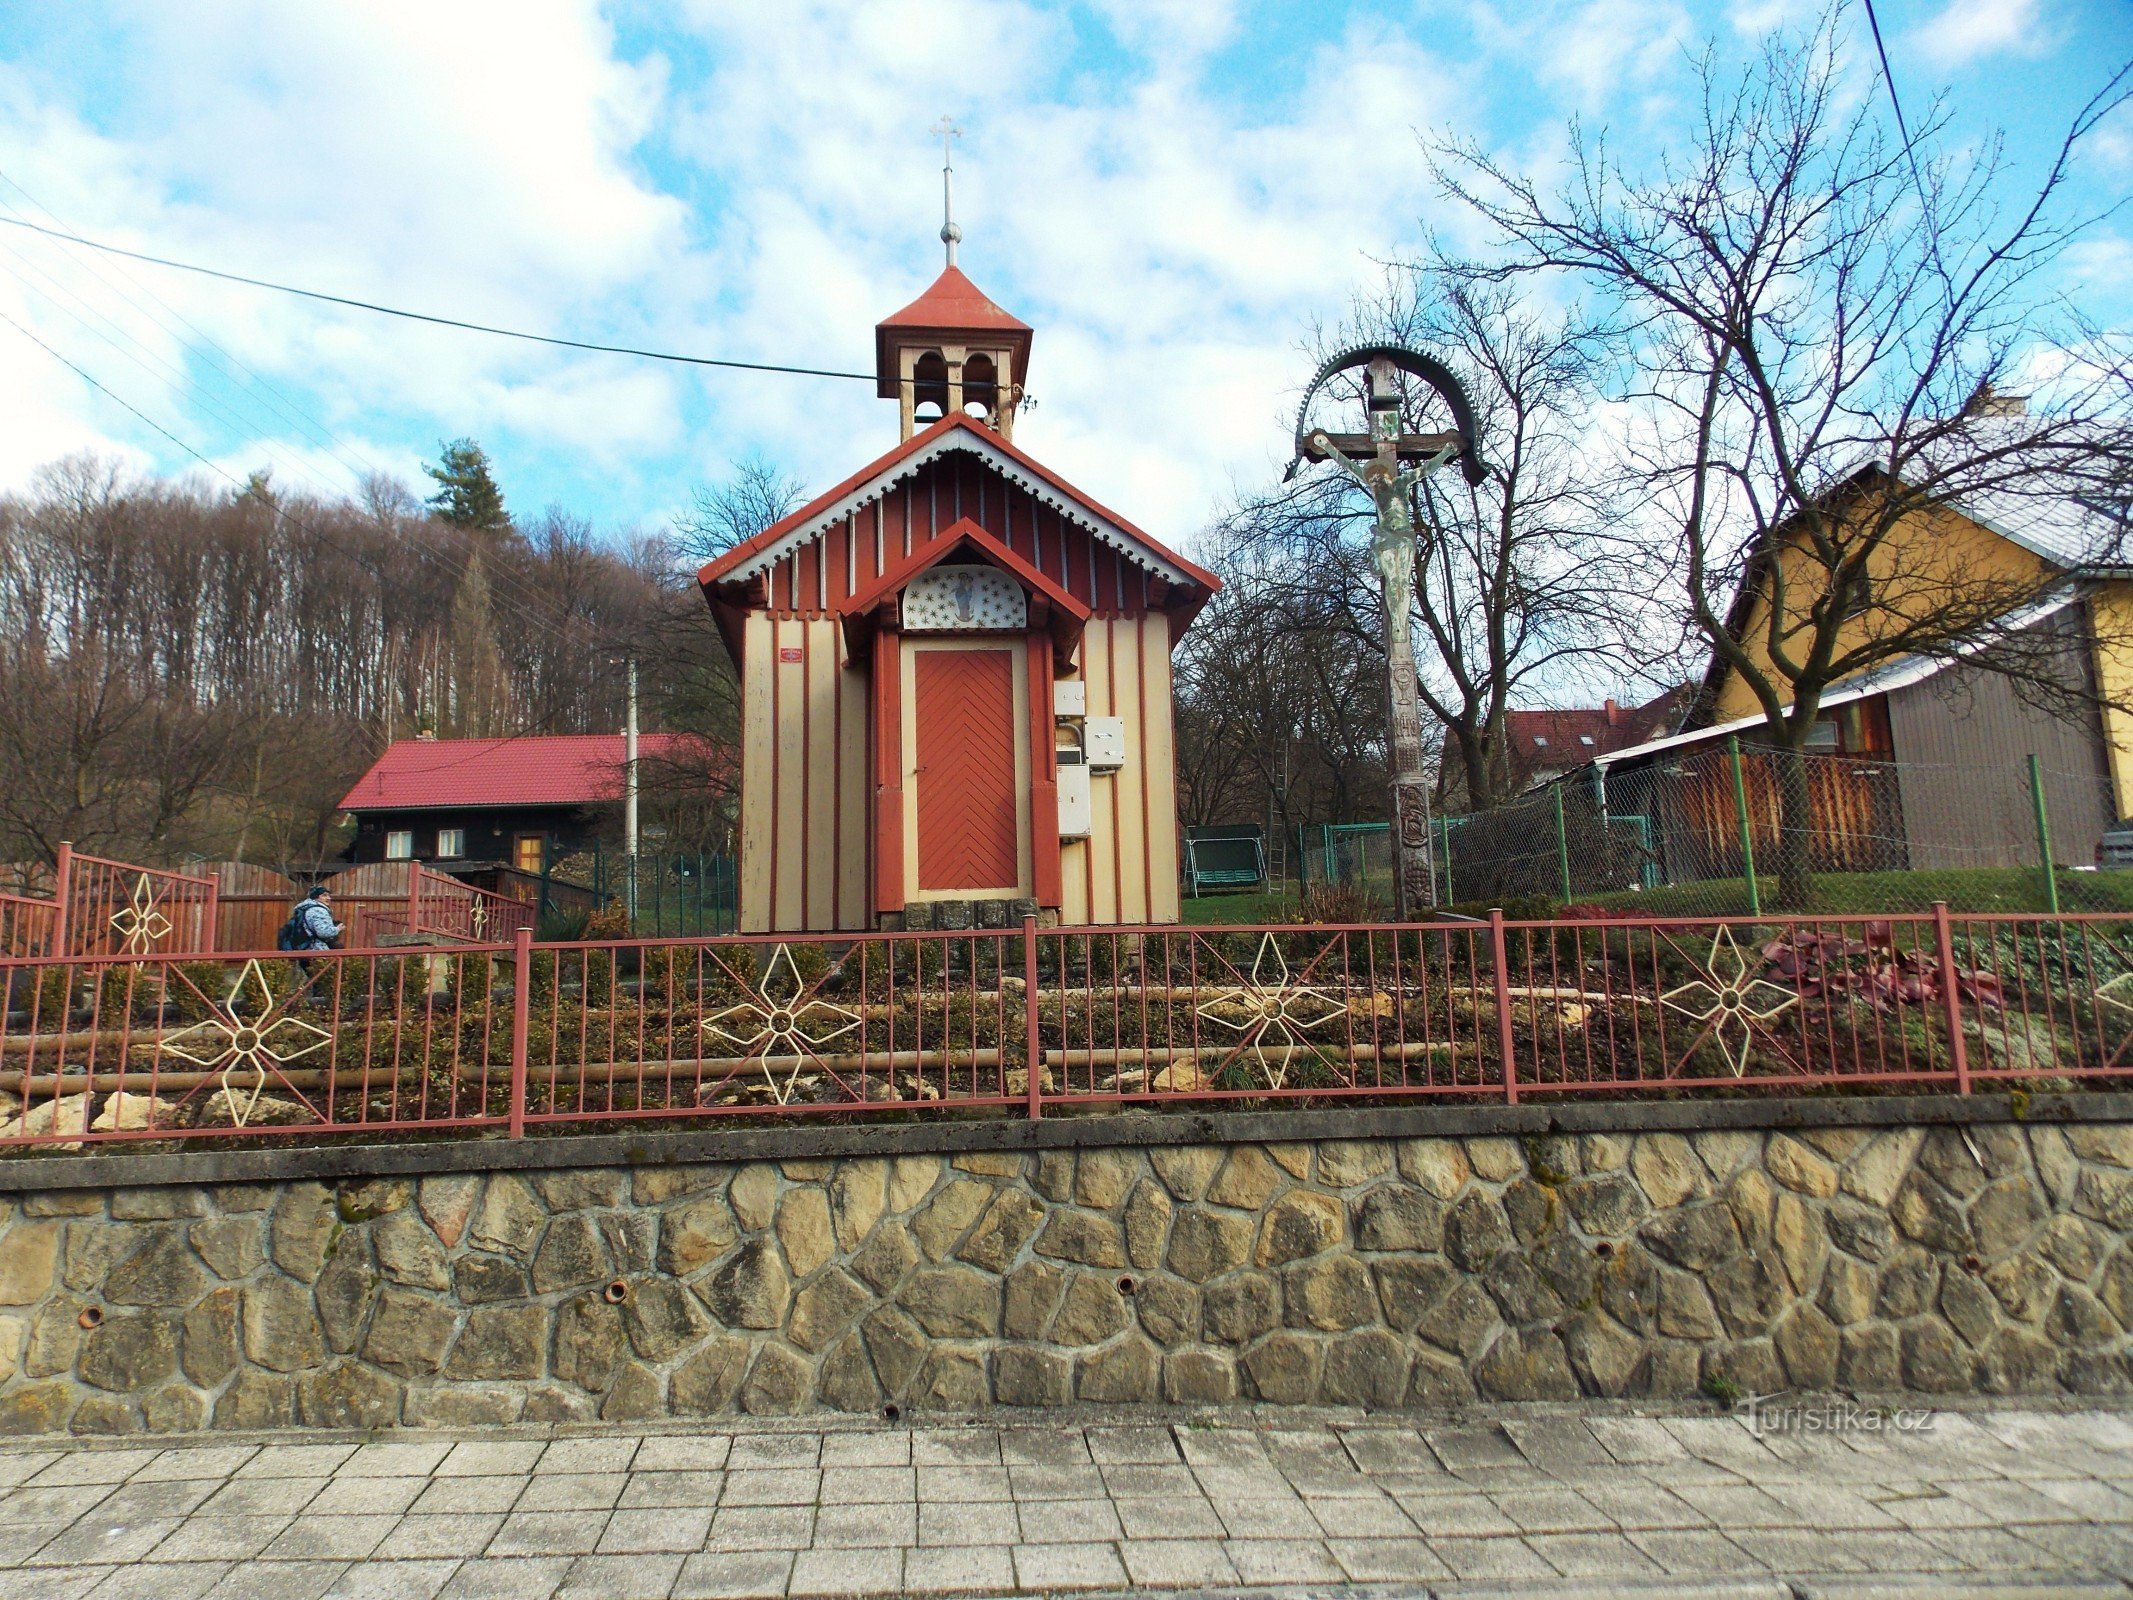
(1967, 31)
(475, 159)
(764, 187)
(1167, 247)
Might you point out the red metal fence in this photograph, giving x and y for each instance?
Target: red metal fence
(435, 906)
(28, 926)
(517, 1035)
(117, 908)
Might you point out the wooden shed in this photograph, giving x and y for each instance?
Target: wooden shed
(955, 669)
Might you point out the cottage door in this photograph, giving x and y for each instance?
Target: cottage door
(967, 826)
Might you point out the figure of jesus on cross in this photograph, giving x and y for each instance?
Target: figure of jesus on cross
(1374, 461)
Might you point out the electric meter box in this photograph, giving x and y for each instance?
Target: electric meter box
(1070, 697)
(1104, 738)
(1074, 808)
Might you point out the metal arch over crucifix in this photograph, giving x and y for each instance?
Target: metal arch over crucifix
(1389, 463)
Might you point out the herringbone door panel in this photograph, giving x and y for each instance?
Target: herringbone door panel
(965, 711)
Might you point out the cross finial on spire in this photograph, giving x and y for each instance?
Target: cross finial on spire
(948, 133)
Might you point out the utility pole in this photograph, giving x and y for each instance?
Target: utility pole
(629, 794)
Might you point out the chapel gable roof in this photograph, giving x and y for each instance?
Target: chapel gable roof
(956, 433)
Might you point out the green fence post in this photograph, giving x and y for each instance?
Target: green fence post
(1747, 834)
(2044, 836)
(1446, 823)
(1562, 842)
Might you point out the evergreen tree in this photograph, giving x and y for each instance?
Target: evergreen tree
(467, 495)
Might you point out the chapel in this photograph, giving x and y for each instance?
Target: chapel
(955, 668)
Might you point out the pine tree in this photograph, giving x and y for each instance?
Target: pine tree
(467, 495)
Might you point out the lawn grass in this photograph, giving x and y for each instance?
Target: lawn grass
(1257, 906)
(1863, 893)
(1849, 894)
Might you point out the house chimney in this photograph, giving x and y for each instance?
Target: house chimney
(1614, 712)
(1986, 401)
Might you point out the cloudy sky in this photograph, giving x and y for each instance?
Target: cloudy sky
(1170, 191)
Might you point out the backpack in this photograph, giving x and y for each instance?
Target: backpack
(292, 933)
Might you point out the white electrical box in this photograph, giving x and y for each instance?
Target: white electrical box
(1073, 802)
(1070, 697)
(1104, 740)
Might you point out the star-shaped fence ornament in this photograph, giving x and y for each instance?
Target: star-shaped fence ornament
(140, 922)
(781, 1023)
(246, 1039)
(1273, 1005)
(478, 918)
(1730, 1008)
(2117, 993)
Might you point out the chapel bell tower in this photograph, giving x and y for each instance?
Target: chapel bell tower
(951, 349)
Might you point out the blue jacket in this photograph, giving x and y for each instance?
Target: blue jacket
(316, 929)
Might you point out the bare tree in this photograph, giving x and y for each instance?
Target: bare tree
(1279, 708)
(1522, 578)
(184, 670)
(688, 676)
(722, 515)
(1821, 320)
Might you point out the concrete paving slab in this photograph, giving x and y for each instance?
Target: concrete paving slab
(1552, 1501)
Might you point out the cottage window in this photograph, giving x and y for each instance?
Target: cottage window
(451, 843)
(400, 845)
(1856, 594)
(1540, 741)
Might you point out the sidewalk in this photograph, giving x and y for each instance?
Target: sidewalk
(1514, 1501)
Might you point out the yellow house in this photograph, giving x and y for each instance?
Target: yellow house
(1934, 737)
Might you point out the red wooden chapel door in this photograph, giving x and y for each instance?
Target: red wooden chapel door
(964, 708)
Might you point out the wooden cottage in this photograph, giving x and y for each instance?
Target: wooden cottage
(955, 669)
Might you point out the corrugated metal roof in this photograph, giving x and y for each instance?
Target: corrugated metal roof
(1890, 675)
(550, 770)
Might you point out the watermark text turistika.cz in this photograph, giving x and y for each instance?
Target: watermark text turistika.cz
(1771, 1413)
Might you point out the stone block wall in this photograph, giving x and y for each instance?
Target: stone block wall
(1371, 1272)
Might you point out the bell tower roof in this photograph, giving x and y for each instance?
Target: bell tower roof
(953, 311)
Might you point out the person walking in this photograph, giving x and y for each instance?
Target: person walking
(311, 928)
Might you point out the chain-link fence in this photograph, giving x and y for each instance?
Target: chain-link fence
(662, 893)
(1704, 834)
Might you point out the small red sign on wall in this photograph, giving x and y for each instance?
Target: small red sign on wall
(789, 652)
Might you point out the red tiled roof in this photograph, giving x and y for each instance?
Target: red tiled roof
(952, 306)
(1570, 737)
(551, 770)
(954, 302)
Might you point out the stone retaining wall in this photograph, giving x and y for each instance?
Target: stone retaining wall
(1370, 1272)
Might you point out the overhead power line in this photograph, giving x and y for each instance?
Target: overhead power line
(115, 399)
(1887, 77)
(505, 586)
(442, 322)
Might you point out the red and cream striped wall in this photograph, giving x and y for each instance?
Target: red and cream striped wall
(815, 784)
